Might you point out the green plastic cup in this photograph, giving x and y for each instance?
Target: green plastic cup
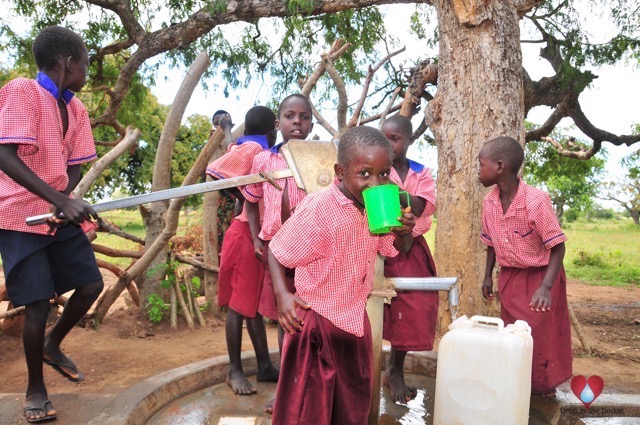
(382, 205)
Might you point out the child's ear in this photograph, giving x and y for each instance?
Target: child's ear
(277, 125)
(500, 166)
(339, 170)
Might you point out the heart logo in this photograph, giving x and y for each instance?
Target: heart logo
(587, 390)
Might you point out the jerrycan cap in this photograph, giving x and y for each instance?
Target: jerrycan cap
(521, 327)
(461, 323)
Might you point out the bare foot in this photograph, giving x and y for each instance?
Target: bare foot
(400, 392)
(268, 406)
(269, 375)
(239, 383)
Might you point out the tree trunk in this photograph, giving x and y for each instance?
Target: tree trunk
(480, 96)
(154, 217)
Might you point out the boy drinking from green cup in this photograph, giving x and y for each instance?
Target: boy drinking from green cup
(326, 367)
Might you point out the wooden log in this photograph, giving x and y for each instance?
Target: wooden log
(173, 312)
(132, 288)
(196, 263)
(194, 304)
(110, 252)
(578, 329)
(183, 305)
(12, 313)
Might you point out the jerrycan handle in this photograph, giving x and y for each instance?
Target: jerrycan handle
(488, 322)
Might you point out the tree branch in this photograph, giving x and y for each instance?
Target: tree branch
(111, 252)
(342, 92)
(131, 137)
(422, 74)
(112, 229)
(365, 88)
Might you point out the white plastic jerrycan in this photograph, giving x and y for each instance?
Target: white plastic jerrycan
(484, 373)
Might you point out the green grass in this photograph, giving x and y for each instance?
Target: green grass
(130, 222)
(603, 252)
(599, 252)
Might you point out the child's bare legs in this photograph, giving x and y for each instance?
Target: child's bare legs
(77, 306)
(400, 392)
(35, 321)
(268, 406)
(258, 335)
(235, 377)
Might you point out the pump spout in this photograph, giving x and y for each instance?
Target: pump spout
(449, 284)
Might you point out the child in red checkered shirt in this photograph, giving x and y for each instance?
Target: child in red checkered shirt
(241, 273)
(410, 319)
(523, 235)
(326, 366)
(45, 136)
(295, 116)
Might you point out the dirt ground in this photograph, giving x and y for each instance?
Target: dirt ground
(125, 350)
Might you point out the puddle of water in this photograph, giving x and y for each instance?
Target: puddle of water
(212, 405)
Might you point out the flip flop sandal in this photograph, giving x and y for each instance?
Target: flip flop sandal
(46, 406)
(63, 367)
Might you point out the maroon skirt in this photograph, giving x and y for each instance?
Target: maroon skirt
(241, 273)
(325, 375)
(268, 306)
(551, 330)
(410, 319)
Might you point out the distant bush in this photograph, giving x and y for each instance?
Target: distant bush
(600, 213)
(571, 215)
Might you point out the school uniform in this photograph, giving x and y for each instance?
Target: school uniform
(35, 262)
(241, 274)
(271, 160)
(326, 369)
(410, 319)
(522, 239)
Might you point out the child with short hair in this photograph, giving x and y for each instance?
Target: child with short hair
(295, 115)
(241, 273)
(45, 137)
(326, 366)
(410, 319)
(523, 235)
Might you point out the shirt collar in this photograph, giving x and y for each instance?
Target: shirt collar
(340, 197)
(48, 84)
(518, 201)
(276, 148)
(416, 167)
(259, 139)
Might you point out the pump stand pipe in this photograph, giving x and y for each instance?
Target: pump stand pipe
(385, 289)
(449, 284)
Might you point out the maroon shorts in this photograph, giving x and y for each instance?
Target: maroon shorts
(410, 319)
(241, 273)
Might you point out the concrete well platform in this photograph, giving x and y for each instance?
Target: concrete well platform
(197, 395)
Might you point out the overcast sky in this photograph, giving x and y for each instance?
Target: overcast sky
(611, 103)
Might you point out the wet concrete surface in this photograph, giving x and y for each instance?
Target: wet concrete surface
(217, 405)
(197, 395)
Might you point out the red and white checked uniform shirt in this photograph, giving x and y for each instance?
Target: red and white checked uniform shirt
(30, 118)
(328, 242)
(237, 162)
(524, 235)
(419, 183)
(271, 160)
